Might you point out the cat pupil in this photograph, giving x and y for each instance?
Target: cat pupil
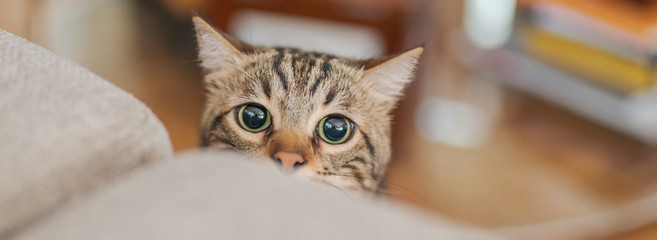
(254, 117)
(335, 128)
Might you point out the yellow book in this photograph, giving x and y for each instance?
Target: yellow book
(593, 64)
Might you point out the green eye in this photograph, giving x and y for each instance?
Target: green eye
(335, 129)
(253, 118)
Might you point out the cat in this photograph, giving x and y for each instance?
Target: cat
(324, 117)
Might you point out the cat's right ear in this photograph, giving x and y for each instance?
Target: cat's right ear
(217, 50)
(388, 76)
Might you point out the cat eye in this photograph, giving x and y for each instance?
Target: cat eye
(335, 129)
(253, 117)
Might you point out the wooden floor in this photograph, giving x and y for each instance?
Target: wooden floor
(537, 163)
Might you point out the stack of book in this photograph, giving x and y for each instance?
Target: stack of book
(597, 58)
(612, 43)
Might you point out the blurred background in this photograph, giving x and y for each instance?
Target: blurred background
(524, 113)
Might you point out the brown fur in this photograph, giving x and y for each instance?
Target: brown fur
(300, 88)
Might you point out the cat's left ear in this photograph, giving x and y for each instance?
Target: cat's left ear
(388, 76)
(216, 49)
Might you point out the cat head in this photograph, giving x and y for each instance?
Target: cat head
(312, 114)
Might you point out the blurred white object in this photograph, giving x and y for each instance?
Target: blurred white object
(269, 29)
(451, 122)
(488, 23)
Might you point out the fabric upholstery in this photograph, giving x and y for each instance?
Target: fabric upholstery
(73, 154)
(63, 130)
(222, 195)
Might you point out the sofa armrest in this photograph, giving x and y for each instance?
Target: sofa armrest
(63, 130)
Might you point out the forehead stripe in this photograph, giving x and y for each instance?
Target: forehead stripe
(277, 67)
(326, 68)
(329, 97)
(314, 88)
(266, 88)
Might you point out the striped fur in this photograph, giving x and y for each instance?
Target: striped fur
(299, 88)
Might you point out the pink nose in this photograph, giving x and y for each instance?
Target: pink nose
(288, 160)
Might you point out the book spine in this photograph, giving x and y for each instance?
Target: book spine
(595, 65)
(571, 24)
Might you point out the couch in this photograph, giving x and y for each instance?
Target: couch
(82, 159)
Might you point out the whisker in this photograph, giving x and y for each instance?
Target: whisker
(190, 61)
(407, 189)
(346, 192)
(241, 70)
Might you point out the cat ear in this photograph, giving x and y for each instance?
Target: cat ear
(217, 50)
(389, 75)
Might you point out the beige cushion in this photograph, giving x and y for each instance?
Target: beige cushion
(222, 195)
(63, 130)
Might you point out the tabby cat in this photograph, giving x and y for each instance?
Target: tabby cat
(316, 115)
